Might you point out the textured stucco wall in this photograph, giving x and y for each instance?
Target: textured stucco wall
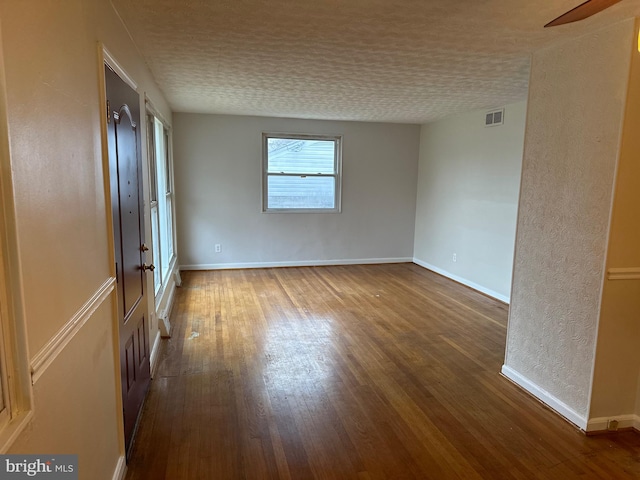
(576, 103)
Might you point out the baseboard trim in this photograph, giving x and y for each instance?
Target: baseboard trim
(545, 397)
(601, 424)
(165, 315)
(47, 354)
(463, 281)
(121, 469)
(153, 358)
(304, 263)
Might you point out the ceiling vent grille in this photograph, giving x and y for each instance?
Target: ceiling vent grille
(494, 118)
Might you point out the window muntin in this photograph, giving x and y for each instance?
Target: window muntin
(301, 173)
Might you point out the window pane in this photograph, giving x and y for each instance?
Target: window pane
(151, 148)
(155, 230)
(162, 229)
(290, 155)
(168, 241)
(167, 164)
(297, 192)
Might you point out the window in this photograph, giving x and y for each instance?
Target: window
(301, 173)
(161, 196)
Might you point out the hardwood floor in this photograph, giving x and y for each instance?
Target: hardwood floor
(363, 372)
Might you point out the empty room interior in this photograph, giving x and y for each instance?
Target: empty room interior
(320, 239)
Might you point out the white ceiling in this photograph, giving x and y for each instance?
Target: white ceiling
(409, 61)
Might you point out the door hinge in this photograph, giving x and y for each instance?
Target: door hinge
(108, 112)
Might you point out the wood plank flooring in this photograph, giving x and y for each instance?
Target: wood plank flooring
(350, 372)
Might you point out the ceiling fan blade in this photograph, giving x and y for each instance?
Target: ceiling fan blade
(588, 8)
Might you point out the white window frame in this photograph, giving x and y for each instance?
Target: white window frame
(337, 172)
(153, 202)
(162, 184)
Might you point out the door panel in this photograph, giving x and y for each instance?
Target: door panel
(142, 341)
(125, 167)
(130, 364)
(130, 215)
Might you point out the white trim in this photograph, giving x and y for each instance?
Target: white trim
(545, 397)
(162, 291)
(14, 428)
(624, 421)
(632, 273)
(463, 281)
(150, 107)
(303, 263)
(115, 66)
(165, 315)
(56, 344)
(153, 358)
(121, 469)
(15, 347)
(168, 290)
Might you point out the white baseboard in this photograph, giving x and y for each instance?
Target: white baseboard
(153, 358)
(164, 317)
(463, 281)
(304, 263)
(121, 469)
(624, 421)
(545, 397)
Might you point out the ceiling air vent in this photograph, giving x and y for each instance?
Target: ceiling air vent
(493, 118)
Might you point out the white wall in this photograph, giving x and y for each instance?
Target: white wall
(54, 111)
(218, 194)
(467, 201)
(576, 104)
(617, 362)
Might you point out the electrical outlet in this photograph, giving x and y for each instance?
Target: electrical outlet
(454, 258)
(612, 425)
(218, 248)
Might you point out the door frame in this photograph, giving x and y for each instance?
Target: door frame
(12, 318)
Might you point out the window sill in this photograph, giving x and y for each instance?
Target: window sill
(302, 210)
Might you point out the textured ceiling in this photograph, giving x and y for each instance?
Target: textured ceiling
(409, 61)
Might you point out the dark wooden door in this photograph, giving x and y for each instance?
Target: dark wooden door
(125, 172)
